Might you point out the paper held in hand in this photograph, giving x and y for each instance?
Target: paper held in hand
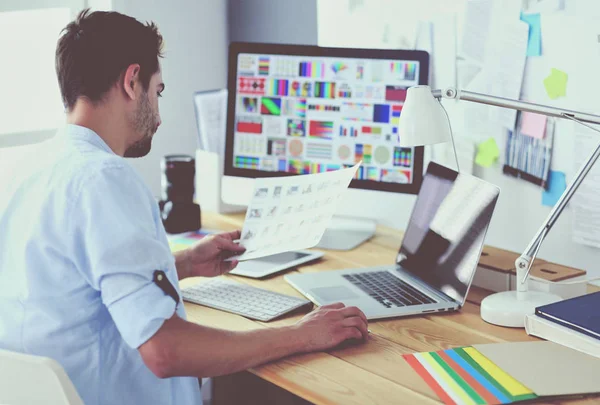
(291, 213)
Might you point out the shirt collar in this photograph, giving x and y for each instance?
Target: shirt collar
(77, 132)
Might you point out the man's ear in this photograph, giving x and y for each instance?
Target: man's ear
(131, 80)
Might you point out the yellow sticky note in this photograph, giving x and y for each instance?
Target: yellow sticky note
(487, 153)
(556, 84)
(502, 377)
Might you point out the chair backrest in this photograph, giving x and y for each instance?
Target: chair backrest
(33, 380)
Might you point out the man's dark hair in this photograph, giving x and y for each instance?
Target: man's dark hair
(94, 51)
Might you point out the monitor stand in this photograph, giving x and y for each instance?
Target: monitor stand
(346, 233)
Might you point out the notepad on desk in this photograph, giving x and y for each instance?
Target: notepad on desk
(574, 323)
(580, 314)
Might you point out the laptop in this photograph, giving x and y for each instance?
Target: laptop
(437, 259)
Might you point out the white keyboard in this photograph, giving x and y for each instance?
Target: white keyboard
(242, 299)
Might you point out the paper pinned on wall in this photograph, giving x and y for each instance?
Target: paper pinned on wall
(585, 202)
(477, 20)
(505, 66)
(466, 73)
(533, 125)
(443, 66)
(211, 116)
(291, 213)
(487, 153)
(556, 84)
(557, 184)
(544, 6)
(534, 43)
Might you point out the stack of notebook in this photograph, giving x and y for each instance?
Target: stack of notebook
(574, 323)
(502, 373)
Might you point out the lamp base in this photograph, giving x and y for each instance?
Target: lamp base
(505, 309)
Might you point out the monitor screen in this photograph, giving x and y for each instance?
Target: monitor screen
(446, 231)
(297, 109)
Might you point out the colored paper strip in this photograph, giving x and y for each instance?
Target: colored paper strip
(459, 380)
(483, 392)
(439, 391)
(513, 386)
(477, 376)
(484, 373)
(456, 388)
(176, 247)
(438, 378)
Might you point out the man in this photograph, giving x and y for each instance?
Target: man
(85, 266)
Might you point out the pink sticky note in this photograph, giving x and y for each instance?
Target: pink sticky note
(533, 125)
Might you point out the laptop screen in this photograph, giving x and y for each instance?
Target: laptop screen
(445, 235)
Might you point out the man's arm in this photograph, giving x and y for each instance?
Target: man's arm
(182, 348)
(182, 264)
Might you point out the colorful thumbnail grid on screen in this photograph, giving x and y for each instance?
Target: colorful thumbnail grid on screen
(309, 114)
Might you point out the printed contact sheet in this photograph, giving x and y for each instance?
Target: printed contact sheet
(291, 213)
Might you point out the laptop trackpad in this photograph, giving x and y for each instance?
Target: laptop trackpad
(337, 293)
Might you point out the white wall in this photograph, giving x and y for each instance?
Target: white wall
(31, 119)
(278, 21)
(195, 33)
(519, 212)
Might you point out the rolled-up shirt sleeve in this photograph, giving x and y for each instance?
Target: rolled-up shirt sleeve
(115, 226)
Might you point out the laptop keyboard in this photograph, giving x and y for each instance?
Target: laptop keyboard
(388, 290)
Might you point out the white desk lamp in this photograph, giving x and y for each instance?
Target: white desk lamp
(424, 121)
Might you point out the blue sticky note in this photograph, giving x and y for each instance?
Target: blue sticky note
(557, 185)
(534, 44)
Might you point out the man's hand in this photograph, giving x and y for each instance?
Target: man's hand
(182, 348)
(330, 325)
(206, 258)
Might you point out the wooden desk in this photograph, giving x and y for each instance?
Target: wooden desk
(375, 372)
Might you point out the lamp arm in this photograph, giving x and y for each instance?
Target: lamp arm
(456, 94)
(526, 259)
(524, 262)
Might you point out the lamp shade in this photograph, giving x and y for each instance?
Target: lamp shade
(423, 121)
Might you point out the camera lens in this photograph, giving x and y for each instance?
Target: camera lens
(177, 179)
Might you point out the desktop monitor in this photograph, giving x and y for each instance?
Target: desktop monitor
(297, 109)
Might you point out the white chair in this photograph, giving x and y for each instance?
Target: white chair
(33, 380)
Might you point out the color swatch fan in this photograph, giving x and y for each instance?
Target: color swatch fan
(465, 376)
(501, 373)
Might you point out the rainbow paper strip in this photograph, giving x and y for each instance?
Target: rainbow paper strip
(465, 376)
(183, 241)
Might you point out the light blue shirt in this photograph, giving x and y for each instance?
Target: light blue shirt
(80, 239)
